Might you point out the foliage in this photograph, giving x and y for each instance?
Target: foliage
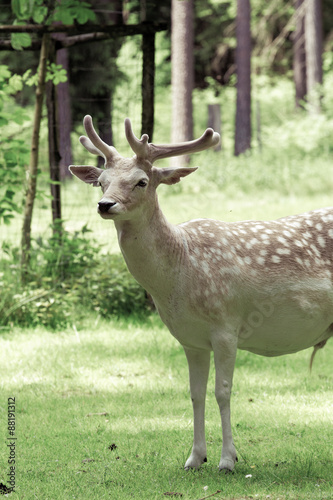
(68, 277)
(41, 12)
(55, 73)
(110, 290)
(14, 153)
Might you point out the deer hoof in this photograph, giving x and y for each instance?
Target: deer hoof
(194, 462)
(226, 465)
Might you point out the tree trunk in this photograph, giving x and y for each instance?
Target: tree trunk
(147, 14)
(32, 172)
(148, 85)
(64, 116)
(243, 69)
(182, 73)
(54, 153)
(299, 59)
(313, 47)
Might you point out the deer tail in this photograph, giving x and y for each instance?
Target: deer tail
(320, 345)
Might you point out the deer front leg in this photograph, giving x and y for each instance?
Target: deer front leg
(198, 363)
(225, 349)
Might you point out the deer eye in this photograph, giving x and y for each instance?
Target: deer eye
(142, 183)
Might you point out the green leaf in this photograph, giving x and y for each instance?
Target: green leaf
(22, 8)
(4, 72)
(20, 40)
(39, 14)
(15, 83)
(64, 16)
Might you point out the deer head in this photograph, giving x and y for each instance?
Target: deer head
(126, 182)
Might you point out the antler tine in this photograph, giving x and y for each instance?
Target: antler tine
(89, 146)
(94, 144)
(139, 147)
(153, 152)
(208, 139)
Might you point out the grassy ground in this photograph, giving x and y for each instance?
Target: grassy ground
(105, 412)
(137, 373)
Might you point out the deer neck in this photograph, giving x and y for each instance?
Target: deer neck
(153, 250)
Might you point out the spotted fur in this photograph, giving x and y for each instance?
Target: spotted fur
(262, 286)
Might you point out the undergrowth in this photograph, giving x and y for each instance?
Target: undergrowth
(68, 276)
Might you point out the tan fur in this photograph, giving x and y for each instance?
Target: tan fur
(262, 286)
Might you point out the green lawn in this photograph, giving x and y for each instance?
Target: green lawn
(105, 412)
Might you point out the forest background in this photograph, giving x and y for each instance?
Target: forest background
(74, 264)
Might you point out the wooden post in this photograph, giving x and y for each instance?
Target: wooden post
(54, 154)
(148, 72)
(214, 121)
(258, 121)
(63, 115)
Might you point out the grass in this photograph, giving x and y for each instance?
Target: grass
(137, 374)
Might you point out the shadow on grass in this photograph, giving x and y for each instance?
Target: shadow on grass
(108, 414)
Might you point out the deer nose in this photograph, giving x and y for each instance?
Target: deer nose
(104, 206)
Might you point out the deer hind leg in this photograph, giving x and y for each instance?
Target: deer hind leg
(225, 349)
(198, 363)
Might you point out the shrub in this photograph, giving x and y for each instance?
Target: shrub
(109, 289)
(68, 278)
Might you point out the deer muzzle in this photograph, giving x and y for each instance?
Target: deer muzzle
(105, 206)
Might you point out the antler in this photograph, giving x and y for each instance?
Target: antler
(152, 152)
(94, 144)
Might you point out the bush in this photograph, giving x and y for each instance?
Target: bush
(110, 289)
(68, 278)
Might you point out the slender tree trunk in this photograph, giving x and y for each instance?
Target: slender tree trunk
(313, 47)
(243, 69)
(182, 73)
(299, 58)
(32, 172)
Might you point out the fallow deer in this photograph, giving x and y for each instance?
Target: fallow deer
(262, 286)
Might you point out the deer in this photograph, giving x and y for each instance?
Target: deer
(260, 286)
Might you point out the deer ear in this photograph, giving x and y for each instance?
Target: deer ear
(90, 175)
(172, 175)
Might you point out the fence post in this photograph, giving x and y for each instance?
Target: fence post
(214, 121)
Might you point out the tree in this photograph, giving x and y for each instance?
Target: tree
(33, 165)
(243, 70)
(313, 47)
(299, 59)
(182, 72)
(64, 115)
